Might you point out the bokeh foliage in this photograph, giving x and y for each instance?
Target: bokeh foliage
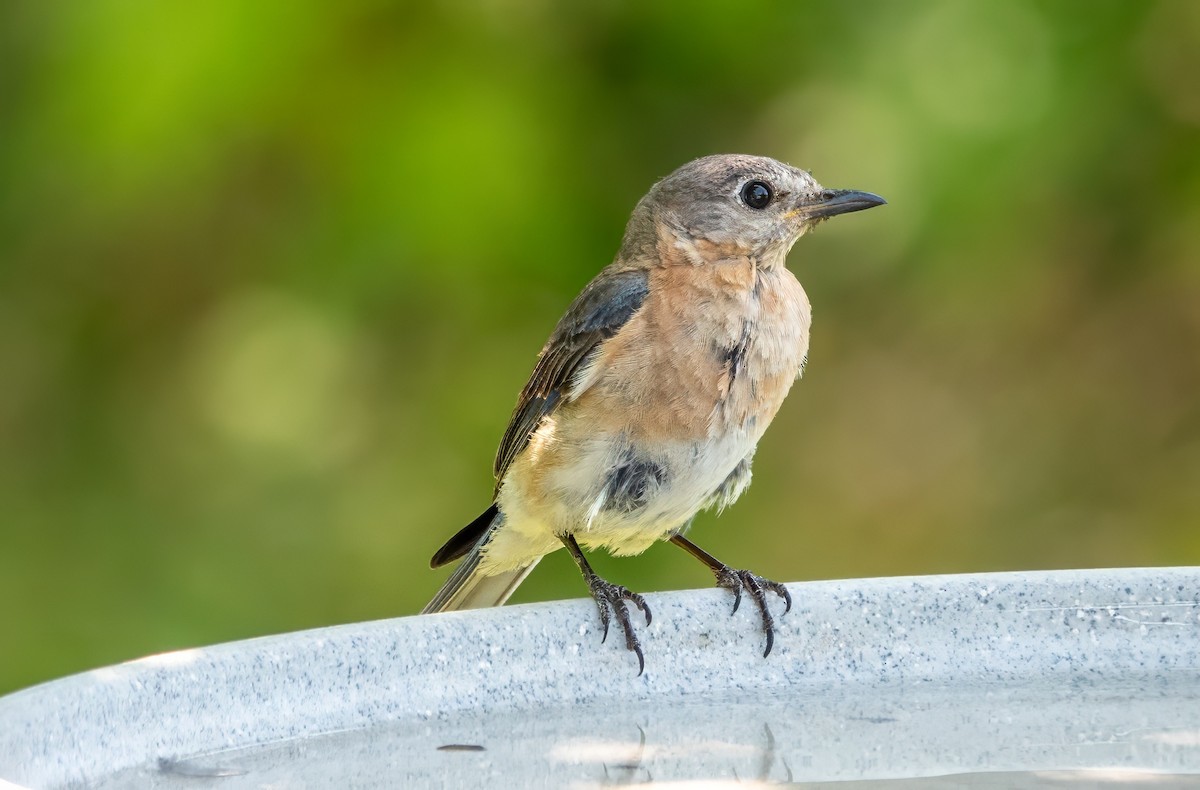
(272, 272)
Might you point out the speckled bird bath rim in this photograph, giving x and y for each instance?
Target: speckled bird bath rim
(877, 641)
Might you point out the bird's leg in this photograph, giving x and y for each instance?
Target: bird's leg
(610, 599)
(737, 581)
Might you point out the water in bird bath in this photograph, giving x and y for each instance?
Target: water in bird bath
(984, 735)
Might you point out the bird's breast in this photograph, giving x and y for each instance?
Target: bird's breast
(713, 350)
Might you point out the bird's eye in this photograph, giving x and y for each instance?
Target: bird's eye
(757, 194)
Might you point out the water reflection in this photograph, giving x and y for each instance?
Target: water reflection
(1053, 735)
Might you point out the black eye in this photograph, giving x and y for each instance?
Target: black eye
(757, 194)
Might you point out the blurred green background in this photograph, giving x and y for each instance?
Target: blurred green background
(272, 273)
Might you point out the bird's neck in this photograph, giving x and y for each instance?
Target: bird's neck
(676, 248)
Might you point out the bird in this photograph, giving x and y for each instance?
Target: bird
(646, 404)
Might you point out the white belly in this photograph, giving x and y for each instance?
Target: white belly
(582, 504)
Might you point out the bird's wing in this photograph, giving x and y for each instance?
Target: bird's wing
(597, 314)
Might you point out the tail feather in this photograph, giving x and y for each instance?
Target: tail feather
(467, 588)
(466, 538)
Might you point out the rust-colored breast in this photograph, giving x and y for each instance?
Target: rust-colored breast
(714, 348)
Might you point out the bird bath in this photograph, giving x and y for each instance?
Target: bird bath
(1040, 679)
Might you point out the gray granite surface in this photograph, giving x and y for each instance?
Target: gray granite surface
(995, 675)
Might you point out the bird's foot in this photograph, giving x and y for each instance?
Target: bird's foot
(610, 599)
(757, 588)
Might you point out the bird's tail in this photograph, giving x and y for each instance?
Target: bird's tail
(468, 589)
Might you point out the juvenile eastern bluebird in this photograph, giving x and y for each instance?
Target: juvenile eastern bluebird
(646, 404)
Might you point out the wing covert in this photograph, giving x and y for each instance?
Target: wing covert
(598, 313)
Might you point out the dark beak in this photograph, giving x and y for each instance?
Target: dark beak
(832, 202)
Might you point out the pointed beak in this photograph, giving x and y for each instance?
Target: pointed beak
(831, 202)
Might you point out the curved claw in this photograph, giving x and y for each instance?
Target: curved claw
(787, 597)
(605, 618)
(641, 604)
(781, 591)
(737, 597)
(610, 600)
(637, 651)
(756, 586)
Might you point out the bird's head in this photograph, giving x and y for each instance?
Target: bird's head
(742, 205)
